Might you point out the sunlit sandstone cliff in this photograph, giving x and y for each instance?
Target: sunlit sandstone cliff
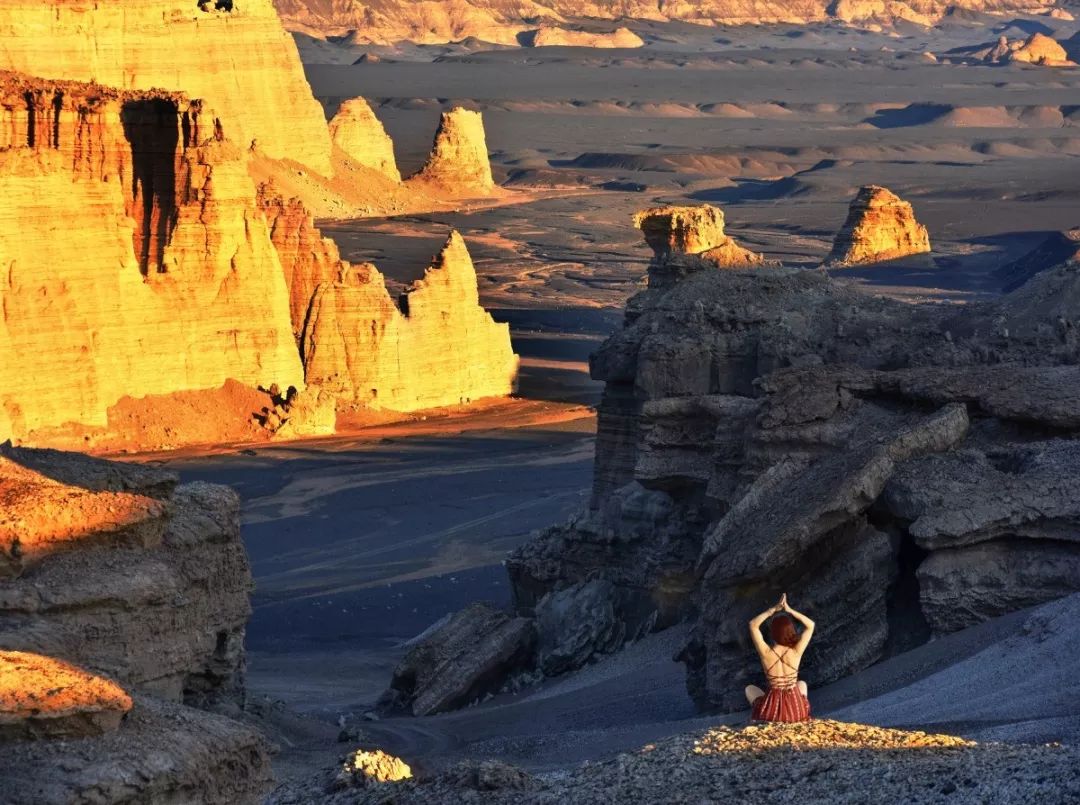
(242, 62)
(458, 163)
(357, 132)
(135, 260)
(880, 226)
(436, 346)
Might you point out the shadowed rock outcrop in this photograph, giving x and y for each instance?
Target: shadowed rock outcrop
(468, 656)
(900, 470)
(163, 618)
(1058, 248)
(458, 162)
(357, 132)
(880, 226)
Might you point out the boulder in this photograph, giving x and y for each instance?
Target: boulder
(577, 623)
(880, 226)
(469, 655)
(1040, 49)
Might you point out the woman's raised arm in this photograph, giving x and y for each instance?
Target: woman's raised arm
(755, 626)
(808, 626)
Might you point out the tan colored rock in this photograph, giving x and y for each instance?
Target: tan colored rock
(880, 226)
(307, 258)
(552, 35)
(363, 768)
(164, 278)
(40, 517)
(357, 132)
(242, 62)
(436, 347)
(1041, 49)
(41, 697)
(458, 162)
(688, 239)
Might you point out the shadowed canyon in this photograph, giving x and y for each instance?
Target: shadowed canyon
(414, 402)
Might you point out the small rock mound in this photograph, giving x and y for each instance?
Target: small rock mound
(880, 226)
(363, 768)
(41, 697)
(357, 132)
(459, 158)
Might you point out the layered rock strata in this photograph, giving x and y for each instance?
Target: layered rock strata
(688, 239)
(238, 59)
(553, 36)
(880, 226)
(357, 132)
(163, 278)
(163, 618)
(436, 346)
(458, 162)
(899, 470)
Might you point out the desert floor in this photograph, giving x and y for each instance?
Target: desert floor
(361, 541)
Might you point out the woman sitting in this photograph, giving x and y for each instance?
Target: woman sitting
(786, 699)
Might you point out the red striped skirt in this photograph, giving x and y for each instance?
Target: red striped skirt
(788, 705)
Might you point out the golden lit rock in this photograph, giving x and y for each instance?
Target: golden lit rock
(880, 226)
(242, 62)
(357, 132)
(436, 347)
(160, 277)
(40, 516)
(458, 162)
(42, 697)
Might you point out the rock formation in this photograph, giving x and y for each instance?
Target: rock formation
(554, 36)
(499, 21)
(458, 162)
(165, 278)
(880, 226)
(41, 697)
(1036, 49)
(163, 617)
(468, 656)
(436, 346)
(1057, 249)
(357, 132)
(688, 239)
(900, 470)
(238, 60)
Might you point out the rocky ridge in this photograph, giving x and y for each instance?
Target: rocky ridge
(502, 22)
(897, 469)
(880, 226)
(821, 761)
(1037, 49)
(162, 618)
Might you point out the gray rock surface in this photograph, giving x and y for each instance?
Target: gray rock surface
(469, 655)
(576, 623)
